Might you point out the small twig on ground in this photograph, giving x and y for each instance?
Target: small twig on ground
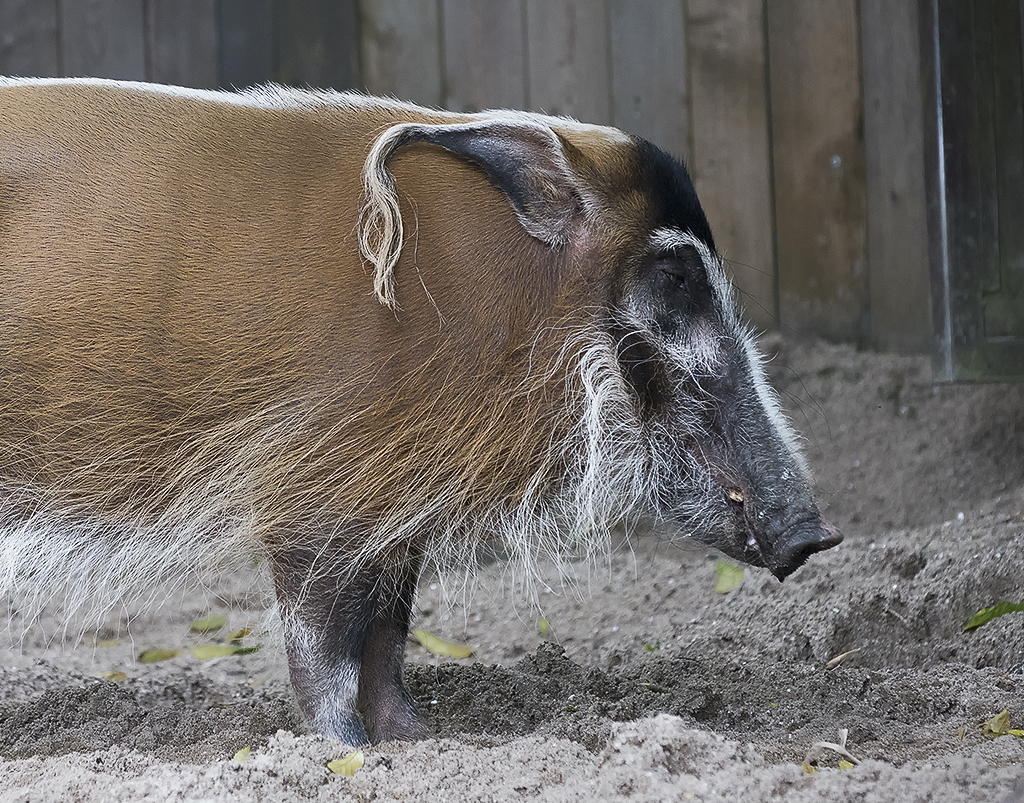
(832, 664)
(817, 750)
(902, 618)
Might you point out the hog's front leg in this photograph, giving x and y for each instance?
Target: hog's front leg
(345, 638)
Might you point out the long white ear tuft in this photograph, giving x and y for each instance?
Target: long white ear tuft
(523, 158)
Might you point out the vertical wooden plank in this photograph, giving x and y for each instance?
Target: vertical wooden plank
(401, 49)
(649, 91)
(245, 43)
(730, 160)
(568, 59)
(103, 38)
(935, 188)
(484, 54)
(181, 42)
(818, 159)
(28, 38)
(1008, 57)
(969, 173)
(897, 232)
(979, 145)
(317, 42)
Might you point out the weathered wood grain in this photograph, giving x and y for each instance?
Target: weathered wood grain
(484, 54)
(818, 156)
(103, 38)
(730, 161)
(897, 232)
(181, 42)
(649, 85)
(401, 49)
(245, 43)
(316, 43)
(29, 38)
(568, 59)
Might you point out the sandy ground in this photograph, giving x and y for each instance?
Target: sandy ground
(649, 685)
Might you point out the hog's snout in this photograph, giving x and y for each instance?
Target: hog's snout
(793, 543)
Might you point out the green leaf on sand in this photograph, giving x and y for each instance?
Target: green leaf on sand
(208, 651)
(208, 624)
(727, 576)
(999, 725)
(238, 635)
(114, 676)
(441, 647)
(347, 765)
(986, 615)
(156, 656)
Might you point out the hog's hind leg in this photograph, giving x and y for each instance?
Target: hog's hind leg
(389, 712)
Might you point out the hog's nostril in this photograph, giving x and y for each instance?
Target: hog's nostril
(794, 547)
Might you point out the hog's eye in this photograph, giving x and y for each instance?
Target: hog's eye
(680, 279)
(672, 270)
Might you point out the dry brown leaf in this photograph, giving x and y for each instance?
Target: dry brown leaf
(818, 749)
(834, 662)
(208, 651)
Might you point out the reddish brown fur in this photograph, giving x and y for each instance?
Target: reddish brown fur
(227, 278)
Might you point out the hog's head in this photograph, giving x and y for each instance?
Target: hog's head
(732, 472)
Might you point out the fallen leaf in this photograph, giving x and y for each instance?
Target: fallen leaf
(347, 765)
(986, 615)
(727, 576)
(155, 656)
(438, 646)
(808, 769)
(112, 642)
(208, 624)
(999, 725)
(208, 651)
(114, 676)
(239, 634)
(544, 627)
(845, 765)
(242, 754)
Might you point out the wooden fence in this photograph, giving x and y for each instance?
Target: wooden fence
(812, 128)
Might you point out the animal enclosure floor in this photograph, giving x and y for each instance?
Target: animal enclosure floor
(649, 685)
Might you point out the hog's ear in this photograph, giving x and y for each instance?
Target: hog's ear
(525, 159)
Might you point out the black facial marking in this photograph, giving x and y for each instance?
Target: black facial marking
(675, 203)
(642, 368)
